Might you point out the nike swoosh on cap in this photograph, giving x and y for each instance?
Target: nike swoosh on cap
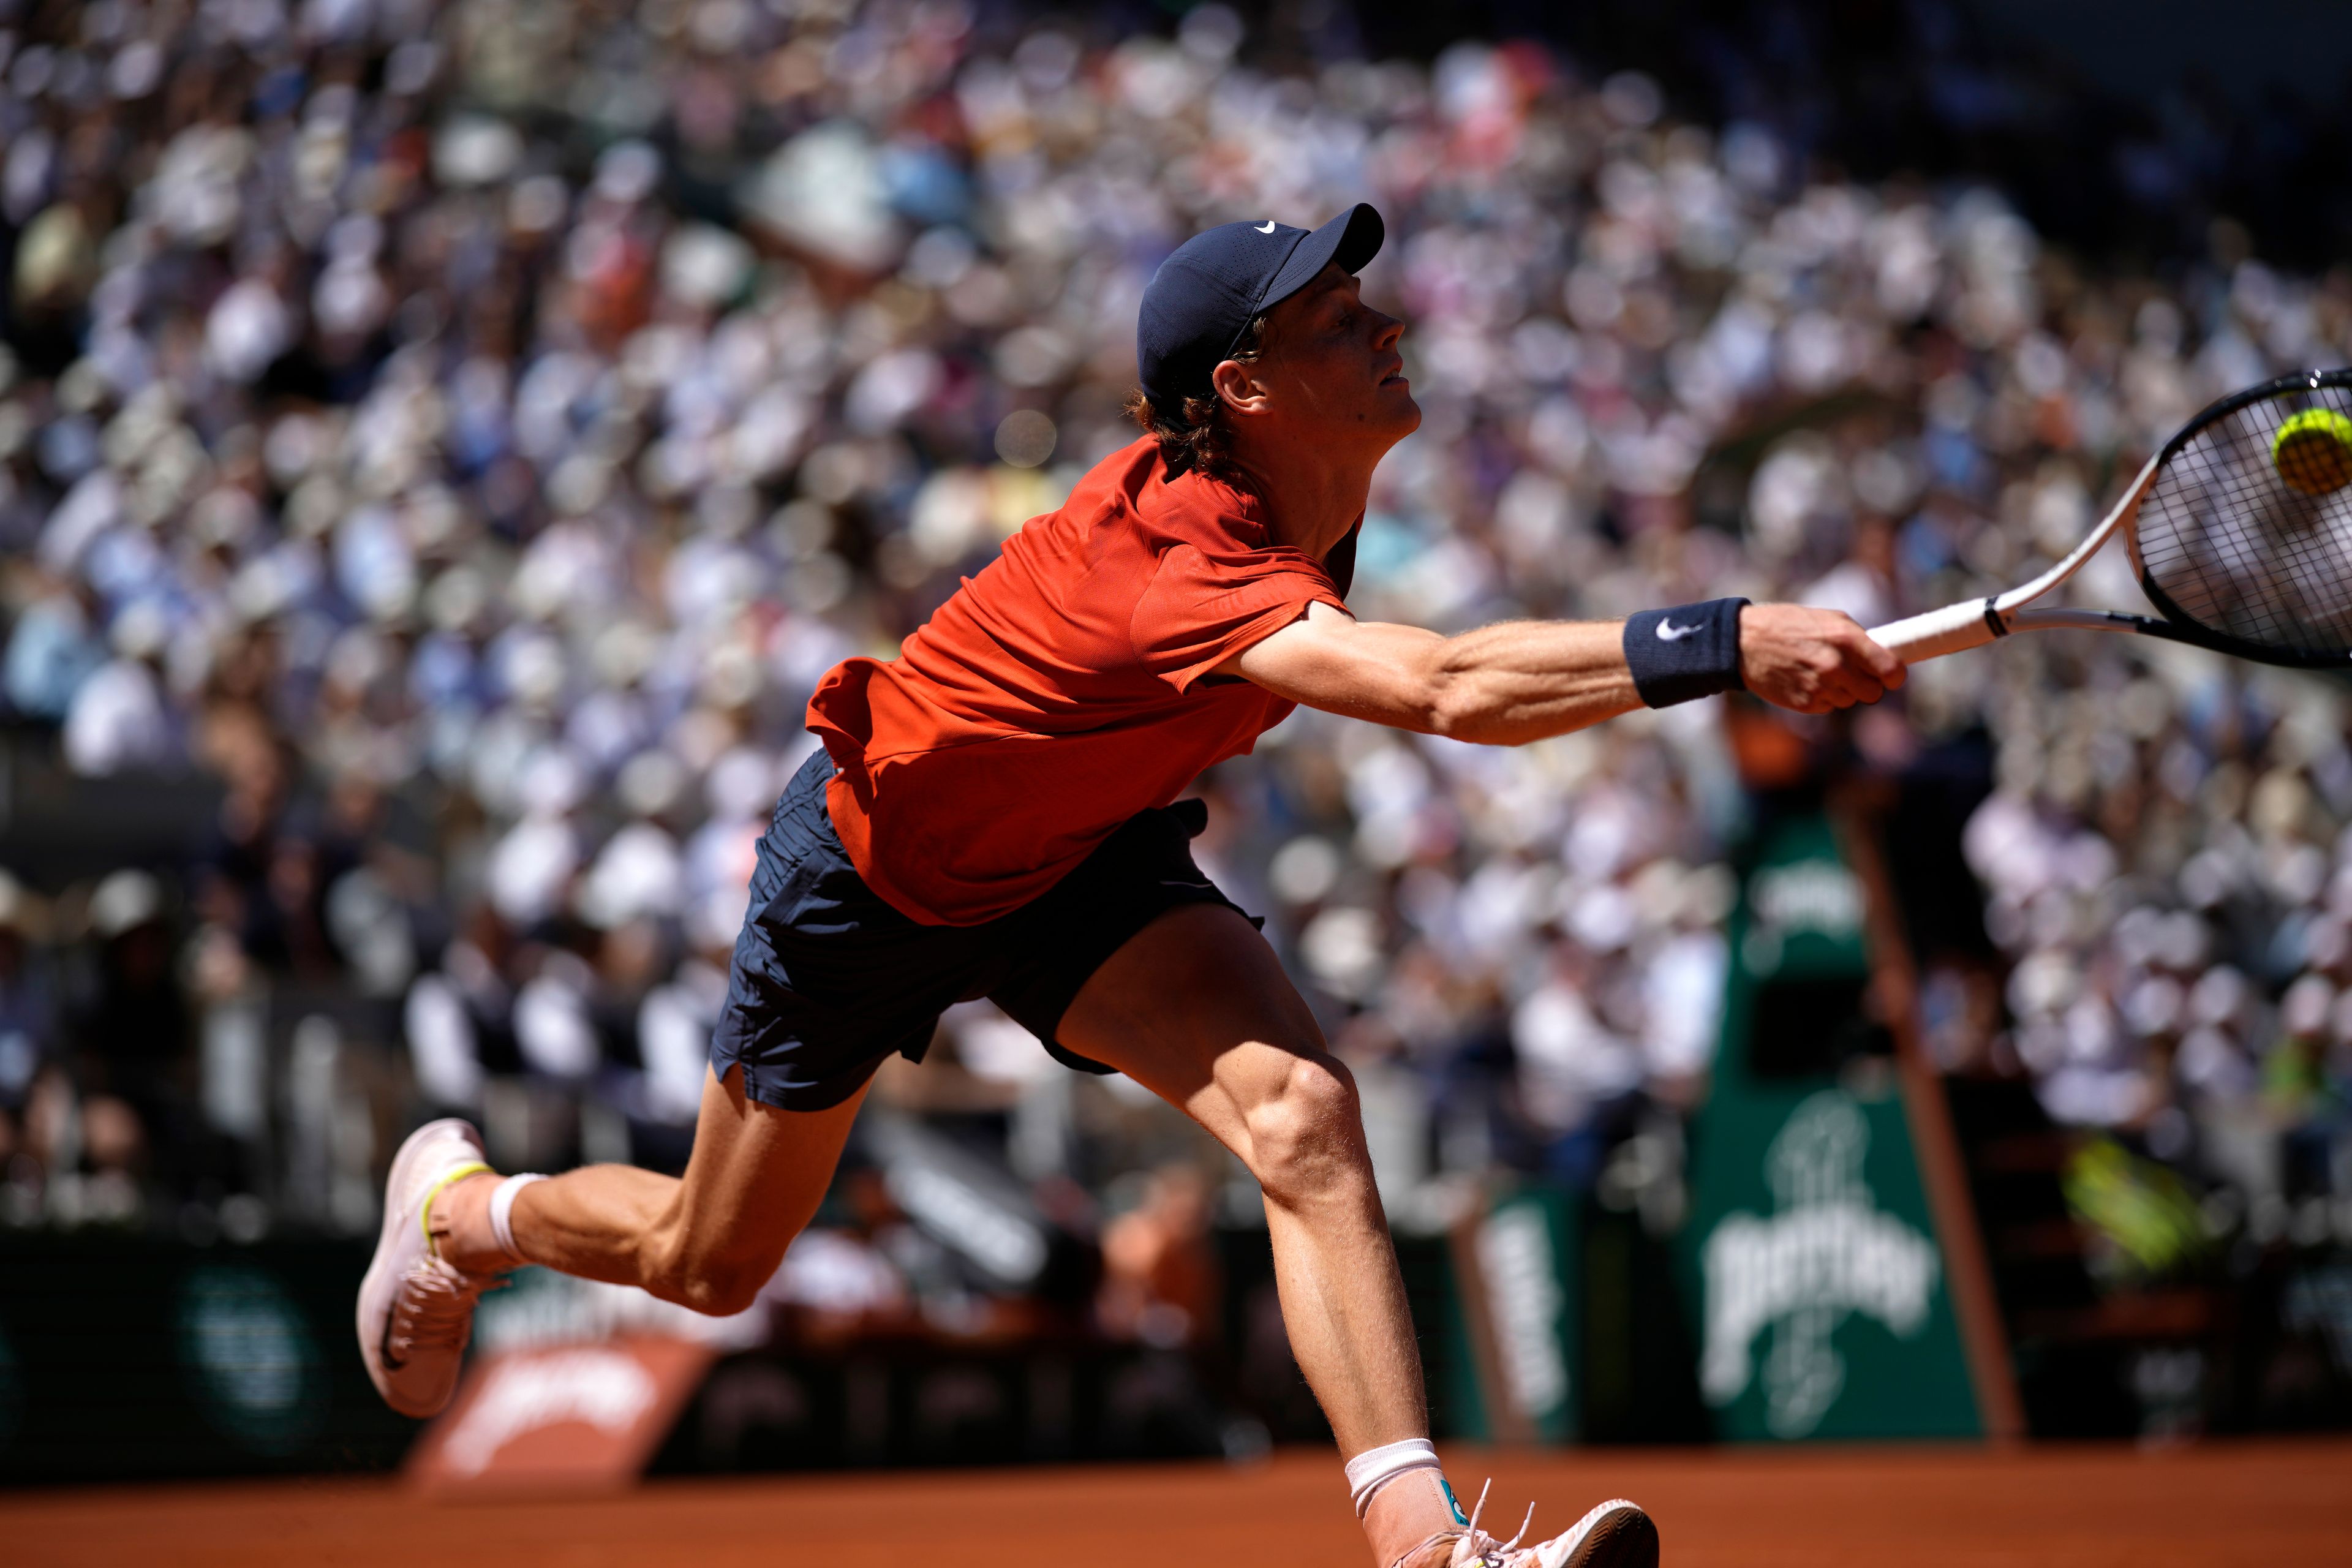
(1669, 632)
(1265, 228)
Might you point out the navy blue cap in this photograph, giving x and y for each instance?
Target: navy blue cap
(1204, 296)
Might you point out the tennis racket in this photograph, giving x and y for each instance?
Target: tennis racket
(2239, 531)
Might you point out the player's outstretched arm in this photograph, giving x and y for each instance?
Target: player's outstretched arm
(1522, 680)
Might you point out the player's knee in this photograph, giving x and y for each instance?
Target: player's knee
(1307, 1138)
(717, 1275)
(722, 1288)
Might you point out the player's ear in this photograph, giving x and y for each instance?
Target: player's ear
(1239, 387)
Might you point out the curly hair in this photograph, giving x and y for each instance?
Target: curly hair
(1195, 436)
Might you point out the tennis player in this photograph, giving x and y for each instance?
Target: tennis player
(994, 813)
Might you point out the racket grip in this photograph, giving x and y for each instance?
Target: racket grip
(1951, 629)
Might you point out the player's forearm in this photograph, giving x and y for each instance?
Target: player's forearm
(1522, 680)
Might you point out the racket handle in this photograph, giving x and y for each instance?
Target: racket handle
(1952, 629)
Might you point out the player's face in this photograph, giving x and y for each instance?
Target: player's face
(1332, 364)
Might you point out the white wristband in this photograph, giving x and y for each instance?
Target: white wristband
(1370, 1470)
(503, 1199)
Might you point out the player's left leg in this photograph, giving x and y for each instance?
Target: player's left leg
(708, 1240)
(1195, 1007)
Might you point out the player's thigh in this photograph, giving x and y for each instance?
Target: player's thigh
(1196, 1008)
(756, 1173)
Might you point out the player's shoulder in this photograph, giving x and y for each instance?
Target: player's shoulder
(1119, 485)
(1131, 501)
(1203, 510)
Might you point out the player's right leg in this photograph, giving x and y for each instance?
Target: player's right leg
(708, 1240)
(1195, 1007)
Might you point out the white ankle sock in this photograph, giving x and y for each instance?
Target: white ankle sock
(1373, 1469)
(503, 1199)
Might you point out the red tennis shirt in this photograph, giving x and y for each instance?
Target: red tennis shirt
(1060, 691)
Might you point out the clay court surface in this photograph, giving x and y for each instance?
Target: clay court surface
(2267, 1503)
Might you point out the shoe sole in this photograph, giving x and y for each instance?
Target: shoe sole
(396, 1181)
(1617, 1534)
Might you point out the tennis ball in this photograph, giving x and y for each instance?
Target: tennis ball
(2312, 451)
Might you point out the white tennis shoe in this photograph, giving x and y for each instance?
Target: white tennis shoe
(415, 1311)
(1617, 1534)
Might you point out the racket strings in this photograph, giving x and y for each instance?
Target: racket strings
(2242, 552)
(2239, 551)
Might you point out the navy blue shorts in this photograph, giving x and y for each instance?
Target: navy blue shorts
(828, 979)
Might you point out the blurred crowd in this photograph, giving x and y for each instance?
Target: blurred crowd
(459, 435)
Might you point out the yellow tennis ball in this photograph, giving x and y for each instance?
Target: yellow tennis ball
(2312, 451)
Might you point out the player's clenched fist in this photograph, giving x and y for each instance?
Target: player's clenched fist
(1813, 660)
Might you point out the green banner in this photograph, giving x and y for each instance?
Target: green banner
(1819, 1288)
(1514, 1332)
(127, 1357)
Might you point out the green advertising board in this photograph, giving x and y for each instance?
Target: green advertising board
(1811, 1256)
(127, 1357)
(1513, 1334)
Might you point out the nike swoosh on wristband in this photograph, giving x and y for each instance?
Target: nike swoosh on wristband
(1265, 228)
(1669, 632)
